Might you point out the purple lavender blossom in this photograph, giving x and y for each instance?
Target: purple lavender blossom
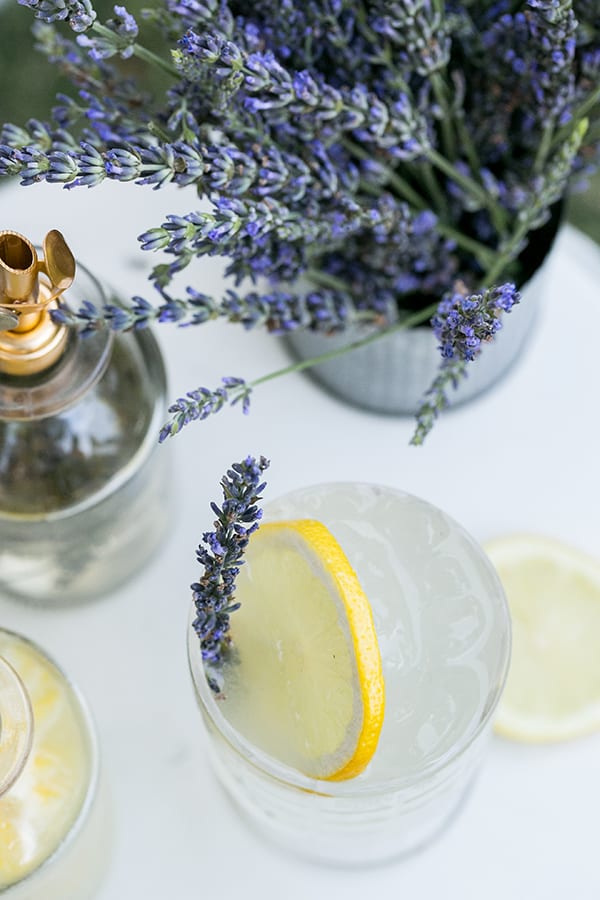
(221, 555)
(202, 402)
(266, 87)
(78, 13)
(418, 32)
(279, 311)
(465, 321)
(118, 35)
(533, 66)
(436, 399)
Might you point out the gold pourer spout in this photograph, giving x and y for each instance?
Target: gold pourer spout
(18, 267)
(29, 288)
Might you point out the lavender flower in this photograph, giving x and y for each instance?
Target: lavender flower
(553, 25)
(78, 13)
(464, 321)
(202, 402)
(222, 556)
(533, 63)
(418, 31)
(268, 237)
(315, 109)
(324, 310)
(451, 373)
(118, 35)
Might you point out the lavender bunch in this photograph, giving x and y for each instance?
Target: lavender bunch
(221, 555)
(360, 163)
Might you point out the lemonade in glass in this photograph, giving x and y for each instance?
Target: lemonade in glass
(385, 760)
(54, 838)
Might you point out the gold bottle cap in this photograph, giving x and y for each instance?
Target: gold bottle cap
(30, 341)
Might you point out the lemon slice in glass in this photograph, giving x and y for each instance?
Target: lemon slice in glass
(40, 807)
(309, 688)
(553, 687)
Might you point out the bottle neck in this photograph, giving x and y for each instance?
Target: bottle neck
(30, 341)
(16, 726)
(81, 363)
(35, 344)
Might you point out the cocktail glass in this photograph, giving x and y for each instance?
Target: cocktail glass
(54, 834)
(444, 634)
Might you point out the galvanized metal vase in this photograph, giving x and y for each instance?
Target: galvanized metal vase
(391, 375)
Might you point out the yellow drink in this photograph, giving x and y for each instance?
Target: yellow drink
(44, 809)
(443, 632)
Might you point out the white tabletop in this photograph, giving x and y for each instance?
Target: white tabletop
(523, 457)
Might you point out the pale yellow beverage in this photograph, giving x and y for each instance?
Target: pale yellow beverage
(443, 633)
(52, 840)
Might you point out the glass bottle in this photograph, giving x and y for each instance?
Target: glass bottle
(53, 813)
(83, 481)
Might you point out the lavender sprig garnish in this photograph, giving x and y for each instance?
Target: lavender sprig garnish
(221, 554)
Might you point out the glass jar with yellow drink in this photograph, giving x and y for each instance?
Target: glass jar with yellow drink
(53, 820)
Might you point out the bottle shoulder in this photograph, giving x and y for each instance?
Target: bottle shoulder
(55, 455)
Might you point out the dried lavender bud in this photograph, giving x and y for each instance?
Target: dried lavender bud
(221, 555)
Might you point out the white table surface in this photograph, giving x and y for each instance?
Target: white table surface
(524, 457)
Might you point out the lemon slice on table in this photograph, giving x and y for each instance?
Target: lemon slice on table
(308, 662)
(553, 687)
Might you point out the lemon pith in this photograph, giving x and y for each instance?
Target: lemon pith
(553, 592)
(312, 691)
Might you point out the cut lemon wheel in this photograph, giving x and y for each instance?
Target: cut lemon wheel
(311, 689)
(553, 687)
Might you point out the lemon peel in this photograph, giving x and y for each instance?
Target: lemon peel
(307, 651)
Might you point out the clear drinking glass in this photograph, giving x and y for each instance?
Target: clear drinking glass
(54, 819)
(444, 635)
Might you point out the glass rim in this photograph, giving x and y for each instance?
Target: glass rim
(16, 742)
(269, 766)
(91, 736)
